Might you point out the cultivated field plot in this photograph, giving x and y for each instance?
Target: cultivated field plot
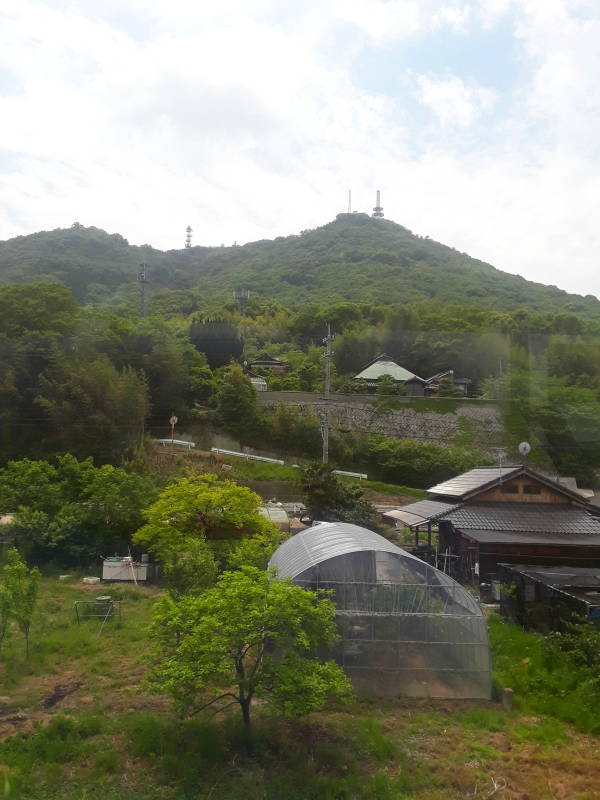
(75, 723)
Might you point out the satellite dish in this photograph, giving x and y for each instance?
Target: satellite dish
(524, 448)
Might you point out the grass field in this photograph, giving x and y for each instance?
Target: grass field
(109, 738)
(277, 475)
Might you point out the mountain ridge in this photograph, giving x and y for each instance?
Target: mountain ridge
(352, 258)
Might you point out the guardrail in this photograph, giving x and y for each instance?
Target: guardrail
(247, 456)
(180, 442)
(359, 475)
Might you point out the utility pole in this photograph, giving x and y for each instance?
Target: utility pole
(142, 280)
(326, 393)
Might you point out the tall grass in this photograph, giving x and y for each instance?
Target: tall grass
(544, 681)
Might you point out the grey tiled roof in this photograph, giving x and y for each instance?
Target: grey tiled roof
(526, 517)
(471, 480)
(523, 537)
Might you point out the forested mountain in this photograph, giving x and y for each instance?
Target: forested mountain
(354, 258)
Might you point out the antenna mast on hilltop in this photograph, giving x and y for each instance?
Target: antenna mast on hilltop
(349, 201)
(378, 210)
(142, 280)
(188, 236)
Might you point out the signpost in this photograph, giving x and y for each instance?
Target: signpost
(172, 422)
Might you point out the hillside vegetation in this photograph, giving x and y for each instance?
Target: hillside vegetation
(352, 258)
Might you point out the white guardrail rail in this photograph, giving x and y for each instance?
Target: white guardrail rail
(180, 442)
(247, 456)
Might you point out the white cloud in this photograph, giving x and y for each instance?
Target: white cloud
(452, 101)
(247, 120)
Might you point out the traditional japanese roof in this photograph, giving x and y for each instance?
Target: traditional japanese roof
(384, 365)
(471, 483)
(523, 517)
(515, 537)
(265, 358)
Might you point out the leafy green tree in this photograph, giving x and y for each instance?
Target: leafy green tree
(189, 570)
(198, 508)
(21, 585)
(237, 404)
(386, 385)
(446, 388)
(255, 551)
(251, 636)
(72, 510)
(93, 409)
(327, 499)
(36, 308)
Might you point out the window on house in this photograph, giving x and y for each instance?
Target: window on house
(509, 488)
(530, 488)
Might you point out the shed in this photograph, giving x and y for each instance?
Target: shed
(406, 628)
(277, 515)
(548, 598)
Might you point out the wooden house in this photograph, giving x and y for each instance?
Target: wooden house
(511, 515)
(274, 365)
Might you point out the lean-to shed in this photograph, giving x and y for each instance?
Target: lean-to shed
(405, 627)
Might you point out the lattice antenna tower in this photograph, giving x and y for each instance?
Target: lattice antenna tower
(349, 201)
(240, 296)
(142, 281)
(378, 210)
(188, 236)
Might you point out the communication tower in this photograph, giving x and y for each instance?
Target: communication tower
(240, 296)
(378, 210)
(188, 236)
(142, 280)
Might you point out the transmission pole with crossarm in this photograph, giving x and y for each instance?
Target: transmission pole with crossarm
(326, 393)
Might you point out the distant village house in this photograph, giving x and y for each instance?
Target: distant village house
(413, 385)
(267, 362)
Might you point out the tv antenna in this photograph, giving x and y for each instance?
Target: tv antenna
(349, 201)
(188, 236)
(525, 449)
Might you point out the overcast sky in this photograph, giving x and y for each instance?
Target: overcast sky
(249, 119)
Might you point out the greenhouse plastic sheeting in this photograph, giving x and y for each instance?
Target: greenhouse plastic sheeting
(405, 627)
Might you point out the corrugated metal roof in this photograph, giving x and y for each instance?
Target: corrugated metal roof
(523, 537)
(384, 365)
(405, 517)
(327, 540)
(473, 479)
(427, 509)
(526, 517)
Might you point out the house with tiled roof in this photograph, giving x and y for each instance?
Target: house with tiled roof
(413, 385)
(511, 514)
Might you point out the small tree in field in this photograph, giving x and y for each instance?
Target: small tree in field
(250, 636)
(20, 585)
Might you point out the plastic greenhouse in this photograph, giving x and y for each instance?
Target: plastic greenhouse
(406, 628)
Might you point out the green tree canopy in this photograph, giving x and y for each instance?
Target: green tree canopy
(200, 507)
(329, 500)
(251, 636)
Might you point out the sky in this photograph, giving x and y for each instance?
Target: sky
(479, 121)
